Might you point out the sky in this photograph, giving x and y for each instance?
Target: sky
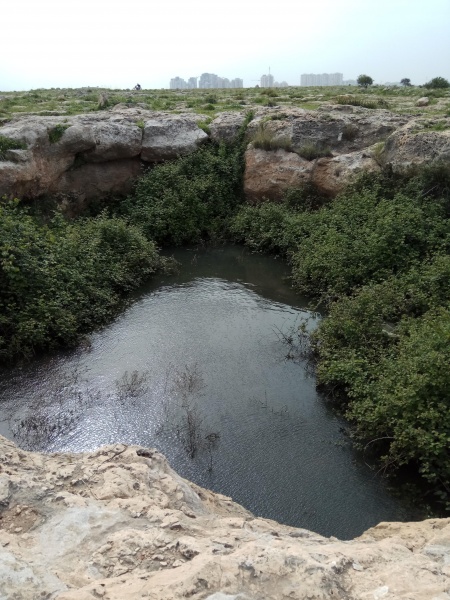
(116, 44)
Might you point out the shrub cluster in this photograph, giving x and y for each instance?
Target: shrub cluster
(192, 198)
(378, 257)
(363, 101)
(7, 143)
(59, 280)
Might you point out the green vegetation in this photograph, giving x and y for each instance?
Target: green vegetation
(378, 257)
(364, 81)
(60, 280)
(7, 143)
(266, 139)
(362, 101)
(66, 101)
(56, 133)
(313, 151)
(437, 83)
(192, 198)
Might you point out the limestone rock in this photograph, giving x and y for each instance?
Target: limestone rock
(116, 140)
(408, 148)
(225, 126)
(170, 136)
(120, 524)
(268, 174)
(424, 101)
(346, 132)
(331, 175)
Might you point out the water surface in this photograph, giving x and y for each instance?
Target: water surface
(217, 327)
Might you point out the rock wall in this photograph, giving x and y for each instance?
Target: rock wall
(357, 140)
(91, 156)
(102, 153)
(120, 524)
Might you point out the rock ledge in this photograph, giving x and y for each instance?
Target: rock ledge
(120, 524)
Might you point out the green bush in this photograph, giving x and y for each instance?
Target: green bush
(363, 101)
(56, 133)
(437, 83)
(313, 151)
(266, 139)
(7, 143)
(60, 280)
(192, 198)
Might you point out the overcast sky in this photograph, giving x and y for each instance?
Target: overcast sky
(56, 43)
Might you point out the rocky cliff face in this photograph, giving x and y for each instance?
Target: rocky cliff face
(120, 524)
(91, 156)
(356, 139)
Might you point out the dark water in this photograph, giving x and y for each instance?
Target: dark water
(211, 339)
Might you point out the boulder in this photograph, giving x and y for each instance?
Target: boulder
(408, 148)
(268, 174)
(225, 127)
(331, 175)
(424, 101)
(169, 136)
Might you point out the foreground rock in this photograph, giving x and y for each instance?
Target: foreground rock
(120, 524)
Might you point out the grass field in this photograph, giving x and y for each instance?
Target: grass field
(211, 102)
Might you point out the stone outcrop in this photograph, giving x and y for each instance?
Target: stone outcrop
(120, 524)
(356, 139)
(102, 153)
(413, 146)
(93, 155)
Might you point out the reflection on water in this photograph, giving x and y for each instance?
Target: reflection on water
(196, 354)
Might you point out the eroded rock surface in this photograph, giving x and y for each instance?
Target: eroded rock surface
(93, 155)
(355, 140)
(120, 524)
(102, 153)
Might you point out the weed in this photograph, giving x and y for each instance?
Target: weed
(349, 132)
(378, 153)
(362, 101)
(211, 99)
(132, 385)
(7, 143)
(266, 139)
(204, 124)
(56, 133)
(140, 123)
(312, 151)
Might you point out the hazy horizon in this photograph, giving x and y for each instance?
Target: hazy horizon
(117, 46)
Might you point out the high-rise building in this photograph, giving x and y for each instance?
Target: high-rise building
(312, 79)
(205, 81)
(208, 81)
(177, 83)
(267, 81)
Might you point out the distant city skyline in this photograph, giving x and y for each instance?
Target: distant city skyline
(206, 81)
(149, 44)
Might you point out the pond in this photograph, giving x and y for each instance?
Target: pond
(197, 365)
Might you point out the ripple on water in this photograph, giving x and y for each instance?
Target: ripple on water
(281, 451)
